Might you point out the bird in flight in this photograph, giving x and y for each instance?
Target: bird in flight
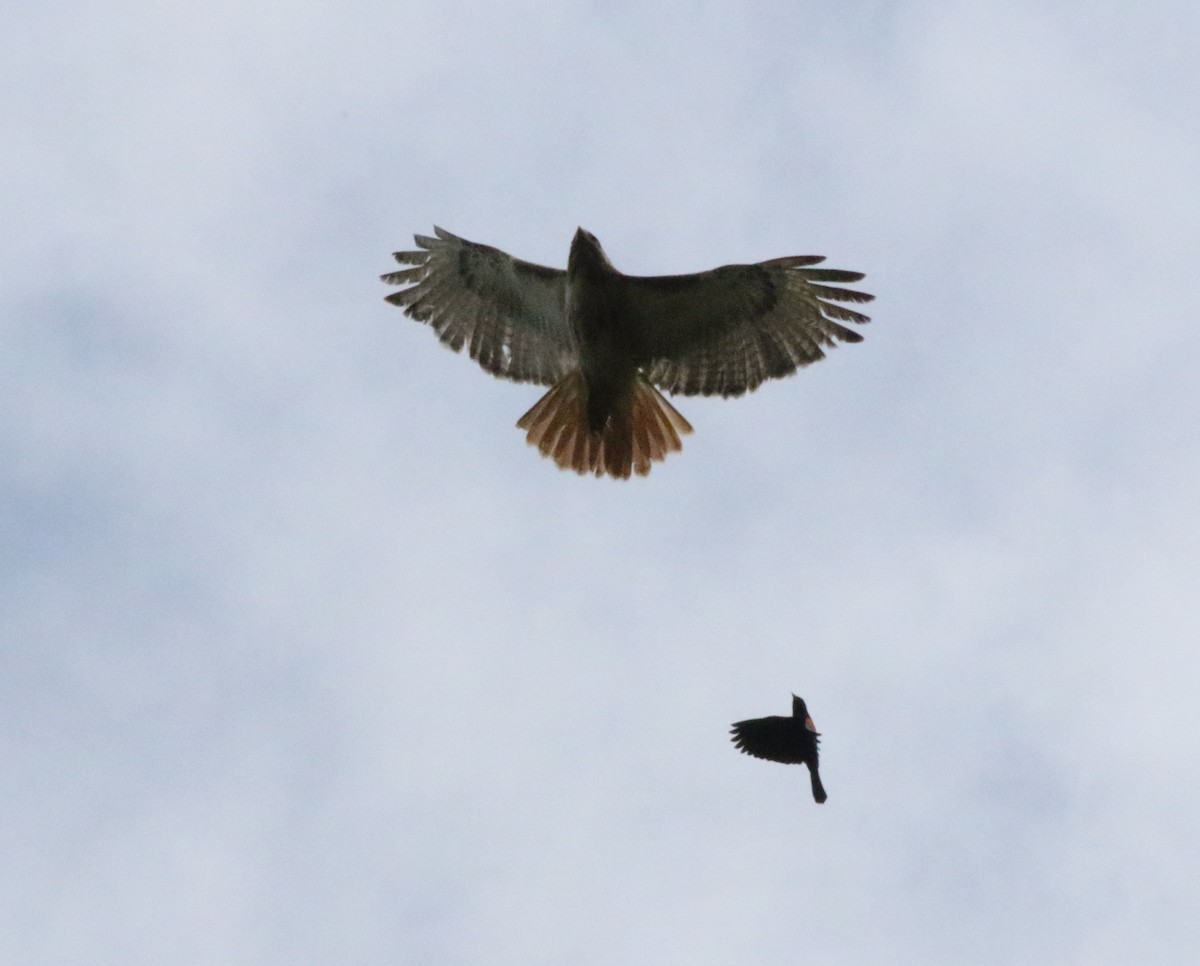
(606, 343)
(792, 741)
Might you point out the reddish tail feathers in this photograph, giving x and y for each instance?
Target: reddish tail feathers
(637, 434)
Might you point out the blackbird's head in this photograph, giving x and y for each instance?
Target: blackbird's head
(800, 712)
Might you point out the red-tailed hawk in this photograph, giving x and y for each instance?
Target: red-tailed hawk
(602, 341)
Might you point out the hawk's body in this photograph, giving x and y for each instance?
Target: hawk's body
(603, 340)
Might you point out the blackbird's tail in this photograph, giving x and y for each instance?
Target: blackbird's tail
(819, 795)
(645, 429)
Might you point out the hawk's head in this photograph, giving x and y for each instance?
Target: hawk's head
(586, 255)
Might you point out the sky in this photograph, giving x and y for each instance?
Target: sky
(305, 655)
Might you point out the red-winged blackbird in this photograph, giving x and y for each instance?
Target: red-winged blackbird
(792, 741)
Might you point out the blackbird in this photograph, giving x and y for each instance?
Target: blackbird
(792, 741)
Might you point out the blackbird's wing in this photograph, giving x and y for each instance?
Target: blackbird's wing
(773, 738)
(725, 331)
(510, 314)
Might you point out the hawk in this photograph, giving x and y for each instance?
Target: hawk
(603, 341)
(792, 741)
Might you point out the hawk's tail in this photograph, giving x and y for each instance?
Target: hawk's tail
(636, 435)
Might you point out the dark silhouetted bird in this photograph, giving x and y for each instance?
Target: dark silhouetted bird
(602, 341)
(792, 741)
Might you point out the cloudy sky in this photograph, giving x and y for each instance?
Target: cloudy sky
(307, 658)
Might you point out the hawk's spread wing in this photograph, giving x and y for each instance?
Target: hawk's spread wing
(510, 314)
(774, 738)
(723, 332)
